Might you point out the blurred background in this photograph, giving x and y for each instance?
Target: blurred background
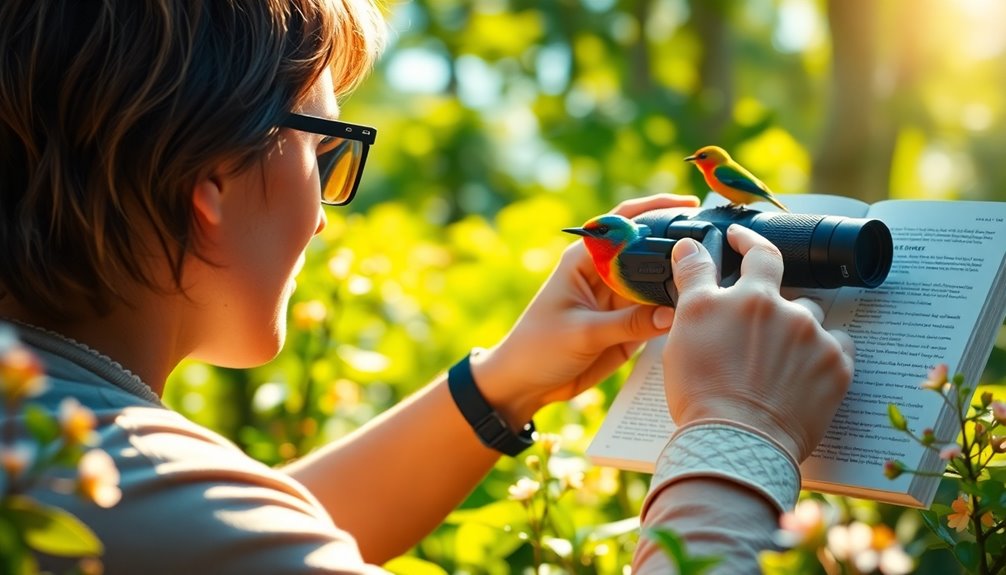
(502, 121)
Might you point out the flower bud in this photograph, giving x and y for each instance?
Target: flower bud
(893, 468)
(998, 443)
(928, 436)
(986, 399)
(533, 462)
(897, 420)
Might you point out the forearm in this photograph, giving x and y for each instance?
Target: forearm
(721, 489)
(714, 518)
(413, 464)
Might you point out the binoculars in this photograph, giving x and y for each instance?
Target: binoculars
(818, 251)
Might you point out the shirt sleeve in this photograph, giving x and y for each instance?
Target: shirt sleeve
(720, 486)
(192, 502)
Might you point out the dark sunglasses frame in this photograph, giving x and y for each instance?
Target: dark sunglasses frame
(335, 129)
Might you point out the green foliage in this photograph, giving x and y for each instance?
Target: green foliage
(675, 548)
(49, 529)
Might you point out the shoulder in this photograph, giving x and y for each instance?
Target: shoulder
(193, 502)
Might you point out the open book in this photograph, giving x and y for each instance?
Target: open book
(943, 302)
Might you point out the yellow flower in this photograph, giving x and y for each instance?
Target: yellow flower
(98, 478)
(77, 422)
(308, 315)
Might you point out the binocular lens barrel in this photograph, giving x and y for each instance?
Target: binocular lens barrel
(829, 251)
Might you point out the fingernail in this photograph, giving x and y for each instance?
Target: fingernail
(686, 248)
(663, 317)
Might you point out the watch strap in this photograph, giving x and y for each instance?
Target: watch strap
(490, 427)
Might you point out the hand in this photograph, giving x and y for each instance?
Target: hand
(574, 333)
(745, 354)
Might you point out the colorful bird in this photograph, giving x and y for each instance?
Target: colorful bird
(607, 237)
(729, 179)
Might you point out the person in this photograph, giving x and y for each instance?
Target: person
(161, 162)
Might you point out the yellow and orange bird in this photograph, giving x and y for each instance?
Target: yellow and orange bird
(729, 179)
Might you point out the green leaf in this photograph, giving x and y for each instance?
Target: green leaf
(933, 522)
(52, 530)
(40, 424)
(408, 565)
(897, 420)
(993, 496)
(499, 514)
(967, 554)
(608, 530)
(14, 558)
(675, 548)
(477, 544)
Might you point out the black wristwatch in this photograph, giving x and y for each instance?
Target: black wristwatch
(490, 427)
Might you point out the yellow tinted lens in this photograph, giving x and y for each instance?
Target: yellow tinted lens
(339, 168)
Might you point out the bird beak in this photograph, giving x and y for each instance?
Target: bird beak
(578, 231)
(691, 158)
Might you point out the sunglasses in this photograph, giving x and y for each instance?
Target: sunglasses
(341, 155)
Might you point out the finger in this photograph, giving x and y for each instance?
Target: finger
(634, 207)
(811, 306)
(848, 347)
(630, 324)
(692, 267)
(762, 263)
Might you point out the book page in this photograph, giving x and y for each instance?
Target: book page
(638, 424)
(946, 256)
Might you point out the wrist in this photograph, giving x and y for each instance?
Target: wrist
(751, 418)
(500, 384)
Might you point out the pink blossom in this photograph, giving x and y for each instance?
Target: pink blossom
(998, 411)
(937, 378)
(950, 451)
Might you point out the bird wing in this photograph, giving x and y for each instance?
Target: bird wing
(741, 180)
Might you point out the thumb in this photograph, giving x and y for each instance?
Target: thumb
(630, 324)
(693, 268)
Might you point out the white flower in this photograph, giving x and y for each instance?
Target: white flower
(848, 541)
(99, 478)
(17, 458)
(806, 524)
(524, 489)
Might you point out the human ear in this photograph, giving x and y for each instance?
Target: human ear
(207, 201)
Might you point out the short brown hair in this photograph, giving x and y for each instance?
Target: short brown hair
(111, 109)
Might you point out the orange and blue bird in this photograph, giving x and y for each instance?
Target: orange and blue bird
(607, 237)
(729, 179)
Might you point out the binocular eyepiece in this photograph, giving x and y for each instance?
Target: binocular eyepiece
(818, 251)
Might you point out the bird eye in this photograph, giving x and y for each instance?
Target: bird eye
(702, 156)
(602, 230)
